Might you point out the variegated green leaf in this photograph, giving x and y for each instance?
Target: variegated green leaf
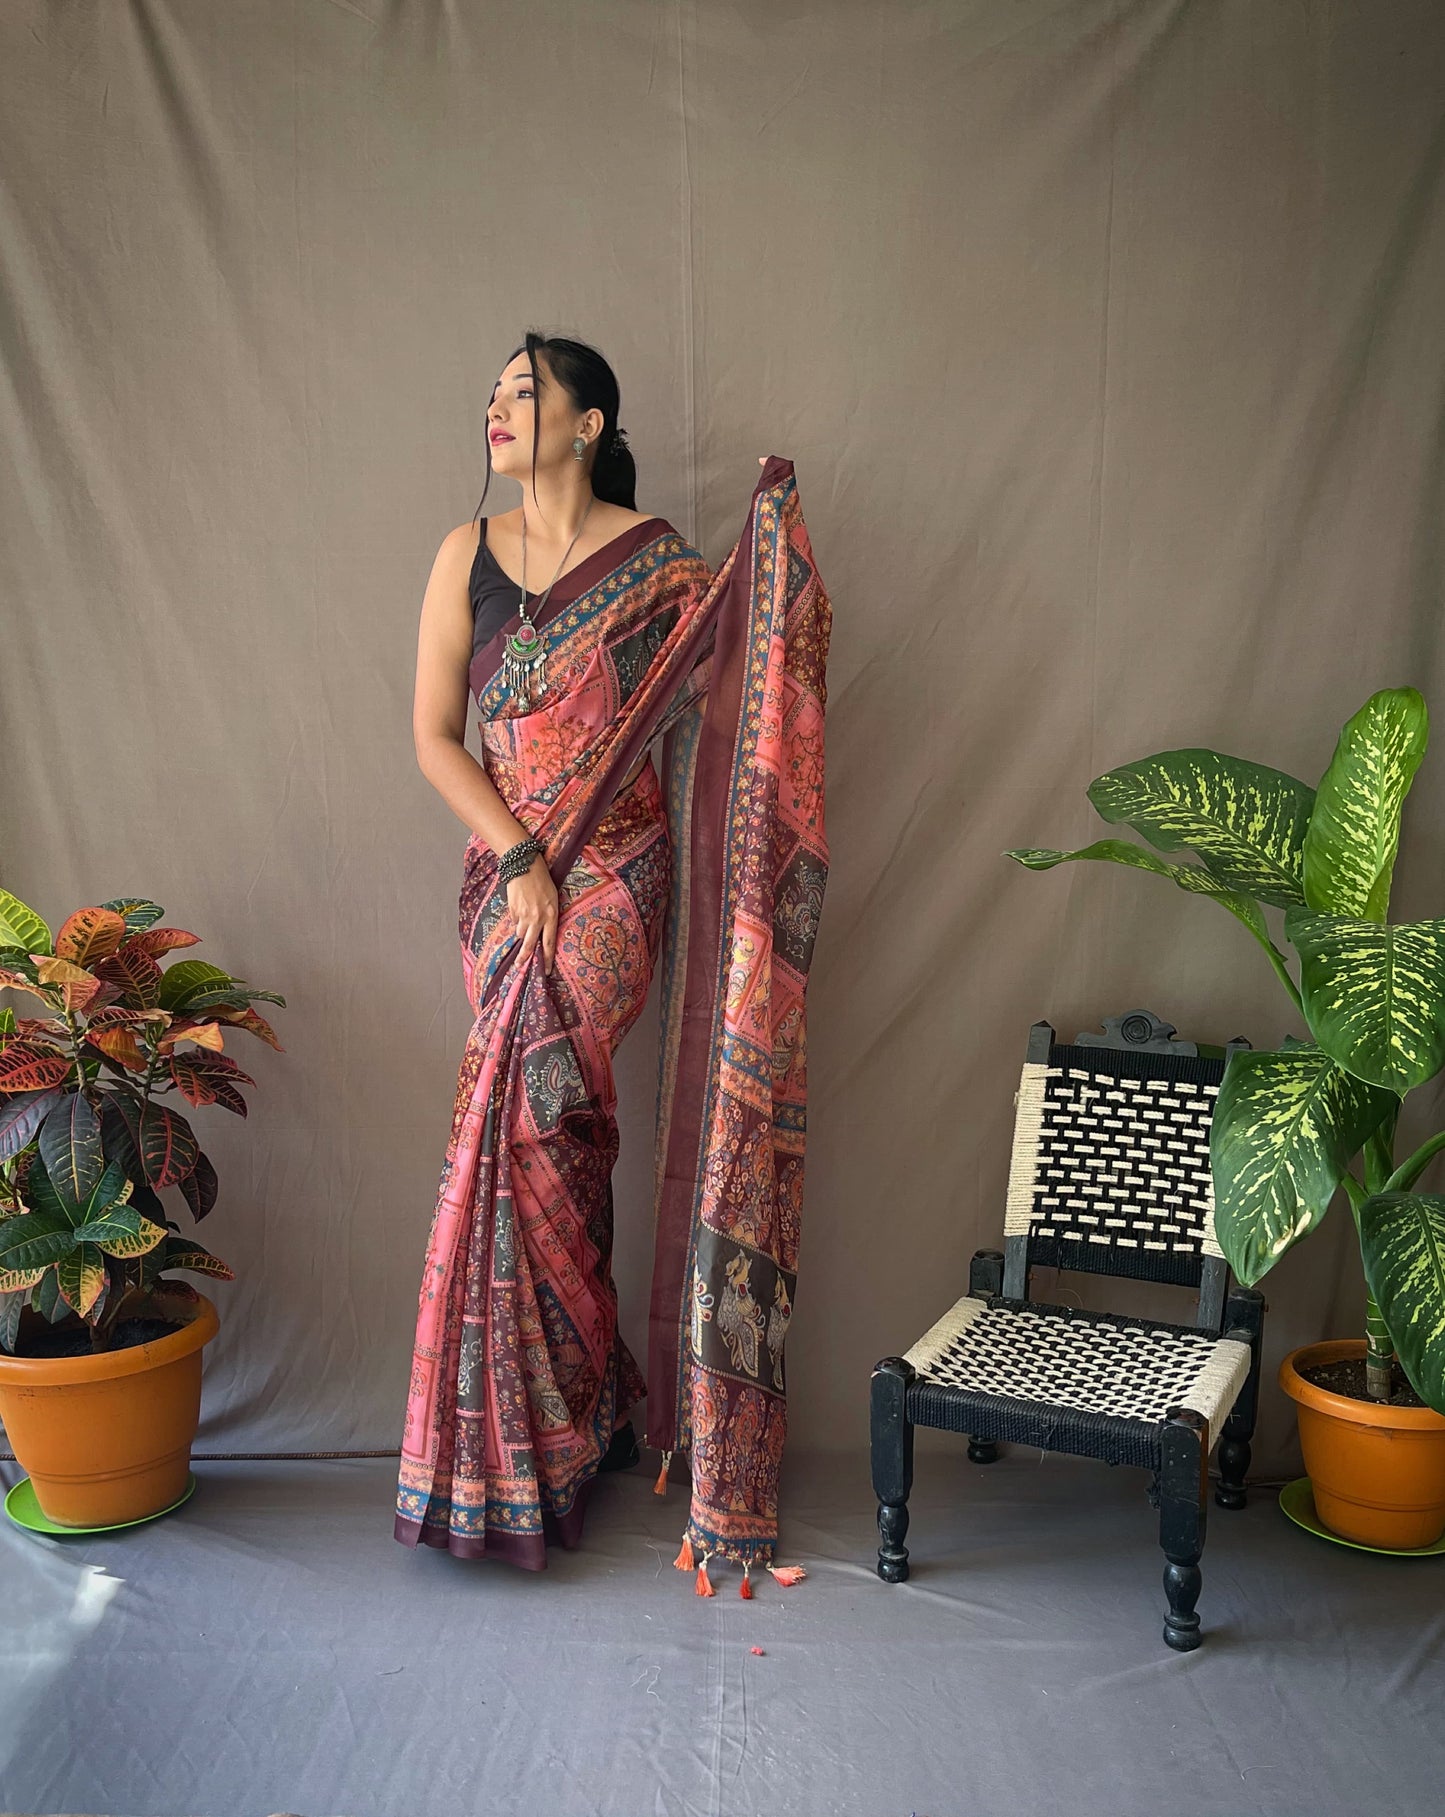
(1284, 1129)
(20, 1280)
(47, 1299)
(181, 1253)
(111, 1190)
(70, 1147)
(21, 1117)
(1402, 1239)
(1192, 878)
(187, 979)
(11, 1306)
(41, 1196)
(81, 1275)
(1374, 995)
(21, 926)
(139, 911)
(33, 1240)
(121, 1232)
(1354, 832)
(1246, 822)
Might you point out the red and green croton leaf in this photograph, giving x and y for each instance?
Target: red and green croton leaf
(182, 1254)
(81, 1277)
(76, 985)
(30, 1066)
(253, 1023)
(158, 940)
(137, 975)
(13, 980)
(120, 1045)
(204, 1031)
(90, 934)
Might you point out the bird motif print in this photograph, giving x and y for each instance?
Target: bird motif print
(701, 1306)
(782, 1311)
(740, 1318)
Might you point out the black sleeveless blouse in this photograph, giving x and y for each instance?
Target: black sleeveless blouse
(495, 596)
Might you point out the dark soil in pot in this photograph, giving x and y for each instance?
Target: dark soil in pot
(1347, 1377)
(74, 1339)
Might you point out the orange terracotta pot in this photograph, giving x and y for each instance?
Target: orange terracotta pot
(107, 1438)
(1377, 1472)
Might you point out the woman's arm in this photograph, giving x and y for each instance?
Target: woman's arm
(439, 711)
(439, 725)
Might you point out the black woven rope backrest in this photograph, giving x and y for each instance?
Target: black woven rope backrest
(1110, 1170)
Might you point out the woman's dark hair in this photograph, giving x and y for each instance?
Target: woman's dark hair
(591, 384)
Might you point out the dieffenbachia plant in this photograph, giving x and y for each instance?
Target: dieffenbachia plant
(1291, 1126)
(86, 1142)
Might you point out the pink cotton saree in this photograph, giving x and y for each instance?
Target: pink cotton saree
(715, 871)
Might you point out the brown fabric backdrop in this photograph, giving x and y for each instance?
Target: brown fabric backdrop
(1106, 341)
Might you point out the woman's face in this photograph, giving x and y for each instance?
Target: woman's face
(509, 421)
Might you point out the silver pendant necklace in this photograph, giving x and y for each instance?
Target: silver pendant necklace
(524, 658)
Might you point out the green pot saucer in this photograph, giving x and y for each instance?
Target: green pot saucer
(1298, 1501)
(24, 1510)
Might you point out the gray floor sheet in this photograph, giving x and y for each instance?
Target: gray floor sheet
(270, 1648)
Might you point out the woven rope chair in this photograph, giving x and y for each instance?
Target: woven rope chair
(1110, 1175)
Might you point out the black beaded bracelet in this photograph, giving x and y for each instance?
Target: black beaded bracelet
(517, 860)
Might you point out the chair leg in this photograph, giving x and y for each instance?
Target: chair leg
(985, 1278)
(1183, 1512)
(1244, 1320)
(1234, 1456)
(891, 1451)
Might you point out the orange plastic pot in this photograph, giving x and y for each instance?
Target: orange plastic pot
(1377, 1472)
(107, 1438)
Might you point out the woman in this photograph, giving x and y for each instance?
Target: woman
(584, 871)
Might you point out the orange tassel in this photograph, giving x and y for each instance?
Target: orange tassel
(745, 1588)
(788, 1574)
(684, 1559)
(703, 1586)
(660, 1486)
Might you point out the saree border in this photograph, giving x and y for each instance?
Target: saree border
(707, 791)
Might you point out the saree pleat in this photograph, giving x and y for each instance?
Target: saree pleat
(518, 1368)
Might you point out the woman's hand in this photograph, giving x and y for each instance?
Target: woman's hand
(532, 904)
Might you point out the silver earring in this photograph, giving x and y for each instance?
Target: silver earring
(579, 446)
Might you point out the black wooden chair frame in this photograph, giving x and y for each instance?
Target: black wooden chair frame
(1175, 1448)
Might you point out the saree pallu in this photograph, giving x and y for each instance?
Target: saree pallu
(715, 873)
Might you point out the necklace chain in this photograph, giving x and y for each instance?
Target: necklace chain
(524, 663)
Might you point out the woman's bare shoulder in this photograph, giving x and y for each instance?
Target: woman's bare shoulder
(615, 520)
(459, 546)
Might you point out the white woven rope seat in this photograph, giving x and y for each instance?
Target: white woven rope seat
(1089, 1363)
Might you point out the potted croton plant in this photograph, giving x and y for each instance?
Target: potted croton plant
(1294, 1125)
(100, 1344)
